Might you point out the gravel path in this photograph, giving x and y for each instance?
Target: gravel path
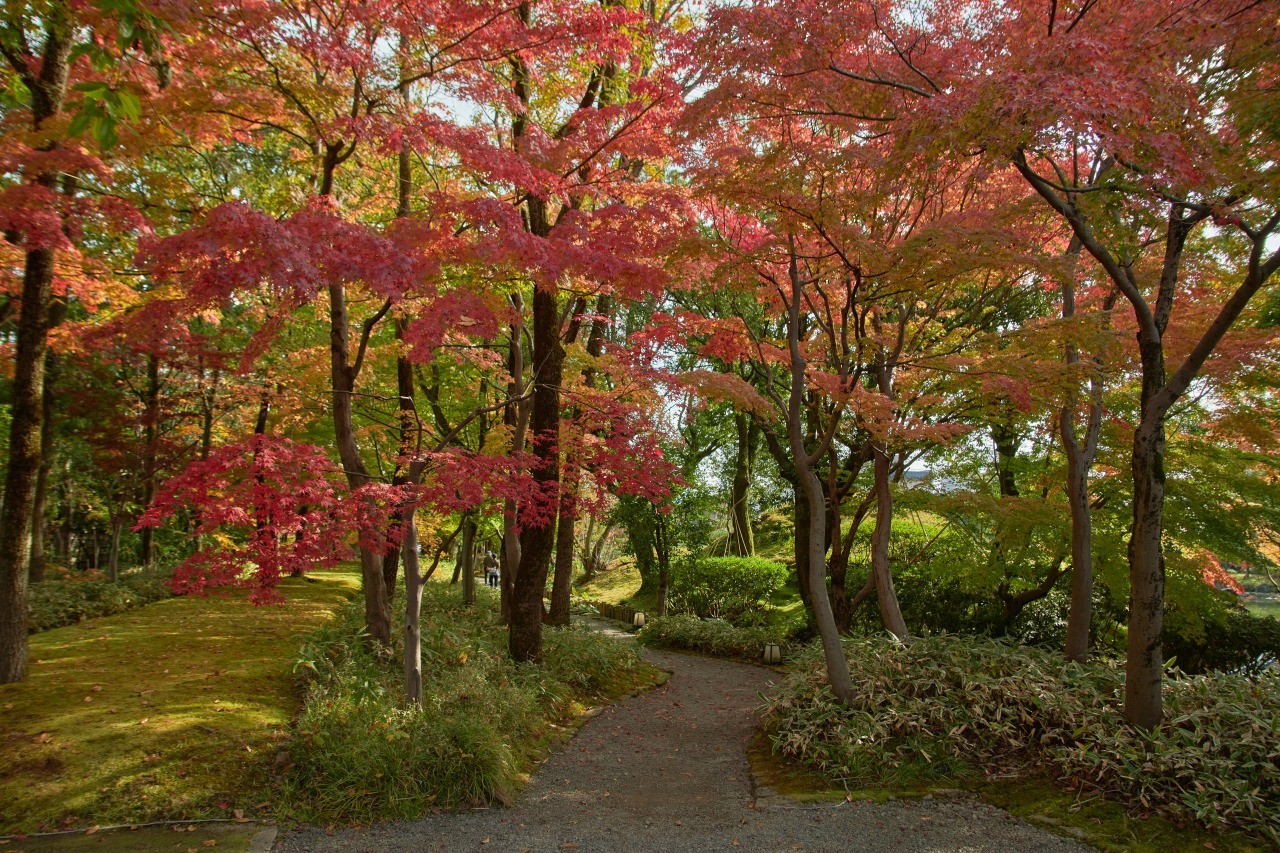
(668, 771)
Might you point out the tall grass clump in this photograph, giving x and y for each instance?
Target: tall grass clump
(359, 753)
(945, 704)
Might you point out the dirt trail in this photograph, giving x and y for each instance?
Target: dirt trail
(668, 771)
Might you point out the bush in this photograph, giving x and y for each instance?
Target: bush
(725, 587)
(946, 703)
(709, 637)
(55, 603)
(1235, 641)
(360, 754)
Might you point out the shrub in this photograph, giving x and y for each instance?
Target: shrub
(709, 637)
(951, 702)
(725, 587)
(1235, 640)
(360, 754)
(55, 603)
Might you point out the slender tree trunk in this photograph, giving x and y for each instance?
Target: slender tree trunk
(412, 612)
(113, 556)
(561, 580)
(1080, 615)
(881, 571)
(206, 437)
(1145, 667)
(742, 540)
(408, 432)
(39, 511)
(537, 540)
(800, 524)
(150, 432)
(377, 613)
(513, 417)
(662, 551)
(832, 650)
(467, 561)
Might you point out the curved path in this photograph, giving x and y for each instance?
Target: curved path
(668, 771)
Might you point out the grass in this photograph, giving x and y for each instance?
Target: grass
(360, 754)
(172, 711)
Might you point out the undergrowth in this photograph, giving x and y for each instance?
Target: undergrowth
(946, 704)
(56, 603)
(710, 637)
(360, 754)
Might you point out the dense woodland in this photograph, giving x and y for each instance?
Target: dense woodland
(970, 304)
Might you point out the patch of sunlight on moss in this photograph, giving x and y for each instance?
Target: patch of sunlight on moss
(171, 711)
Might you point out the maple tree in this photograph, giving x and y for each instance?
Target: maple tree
(388, 279)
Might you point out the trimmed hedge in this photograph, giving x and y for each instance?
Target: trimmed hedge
(725, 587)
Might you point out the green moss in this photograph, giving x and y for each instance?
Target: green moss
(172, 711)
(616, 586)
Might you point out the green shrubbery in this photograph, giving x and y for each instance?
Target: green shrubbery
(360, 754)
(55, 603)
(725, 587)
(709, 637)
(1234, 640)
(946, 703)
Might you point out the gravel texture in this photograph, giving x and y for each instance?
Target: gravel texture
(668, 771)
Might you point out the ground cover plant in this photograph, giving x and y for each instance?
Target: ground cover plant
(55, 603)
(171, 711)
(945, 706)
(360, 754)
(711, 637)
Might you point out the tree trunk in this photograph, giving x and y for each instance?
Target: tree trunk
(412, 612)
(47, 88)
(662, 551)
(563, 576)
(405, 392)
(151, 434)
(886, 596)
(1080, 615)
(513, 417)
(742, 538)
(113, 556)
(832, 650)
(468, 561)
(800, 543)
(39, 511)
(1144, 669)
(27, 413)
(537, 539)
(377, 613)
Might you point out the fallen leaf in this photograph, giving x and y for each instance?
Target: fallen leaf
(143, 721)
(43, 737)
(210, 843)
(91, 830)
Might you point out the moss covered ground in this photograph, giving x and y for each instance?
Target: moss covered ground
(172, 711)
